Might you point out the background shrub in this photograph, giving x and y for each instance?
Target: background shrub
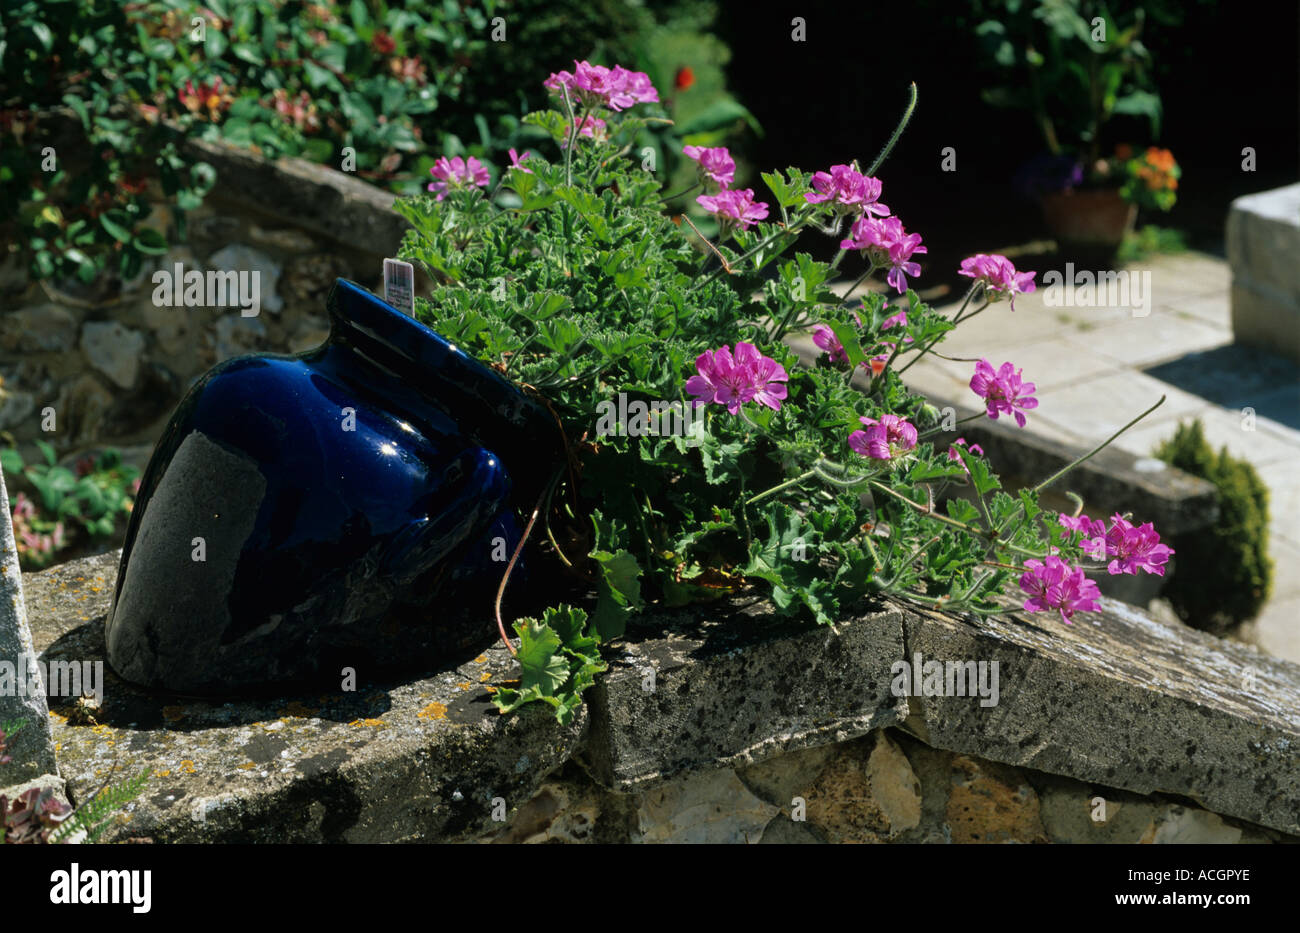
(1223, 574)
(381, 87)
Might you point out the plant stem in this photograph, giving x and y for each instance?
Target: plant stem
(1074, 463)
(942, 430)
(786, 485)
(898, 132)
(665, 200)
(848, 295)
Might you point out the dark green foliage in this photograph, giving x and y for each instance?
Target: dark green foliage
(1222, 576)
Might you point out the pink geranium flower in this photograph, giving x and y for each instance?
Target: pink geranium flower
(597, 86)
(1051, 583)
(895, 320)
(884, 242)
(733, 379)
(1003, 390)
(593, 128)
(1133, 549)
(883, 439)
(999, 276)
(851, 191)
(1094, 533)
(517, 162)
(734, 207)
(457, 173)
(976, 449)
(717, 167)
(825, 338)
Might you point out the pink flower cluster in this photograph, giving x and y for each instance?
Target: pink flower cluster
(1129, 548)
(883, 439)
(1051, 583)
(614, 88)
(976, 449)
(885, 243)
(734, 208)
(456, 173)
(850, 191)
(732, 380)
(717, 167)
(40, 546)
(1003, 390)
(593, 128)
(999, 276)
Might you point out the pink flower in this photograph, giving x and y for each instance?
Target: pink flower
(849, 189)
(999, 276)
(637, 86)
(732, 380)
(457, 173)
(1132, 548)
(1094, 531)
(883, 439)
(597, 86)
(976, 449)
(517, 162)
(593, 128)
(716, 164)
(1003, 391)
(885, 242)
(900, 264)
(1051, 583)
(734, 207)
(899, 318)
(825, 338)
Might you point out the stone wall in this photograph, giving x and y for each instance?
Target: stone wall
(113, 369)
(717, 723)
(885, 787)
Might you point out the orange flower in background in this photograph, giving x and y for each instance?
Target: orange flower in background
(1124, 151)
(210, 99)
(685, 78)
(1162, 159)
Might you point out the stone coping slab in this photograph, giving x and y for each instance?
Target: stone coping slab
(390, 762)
(334, 204)
(1129, 702)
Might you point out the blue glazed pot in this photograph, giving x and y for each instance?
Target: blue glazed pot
(346, 507)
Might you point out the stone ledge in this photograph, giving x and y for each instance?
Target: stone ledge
(392, 762)
(1130, 703)
(333, 204)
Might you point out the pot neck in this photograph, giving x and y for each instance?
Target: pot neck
(486, 408)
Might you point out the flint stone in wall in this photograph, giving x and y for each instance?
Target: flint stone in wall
(240, 258)
(114, 350)
(48, 328)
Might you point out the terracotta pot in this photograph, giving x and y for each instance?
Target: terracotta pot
(1093, 219)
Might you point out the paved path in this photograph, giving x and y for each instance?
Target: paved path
(1097, 367)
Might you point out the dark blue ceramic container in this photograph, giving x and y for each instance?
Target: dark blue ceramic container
(343, 508)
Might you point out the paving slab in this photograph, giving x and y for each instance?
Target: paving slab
(1141, 341)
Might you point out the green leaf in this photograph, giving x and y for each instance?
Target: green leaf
(537, 657)
(848, 337)
(117, 224)
(11, 461)
(618, 592)
(151, 242)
